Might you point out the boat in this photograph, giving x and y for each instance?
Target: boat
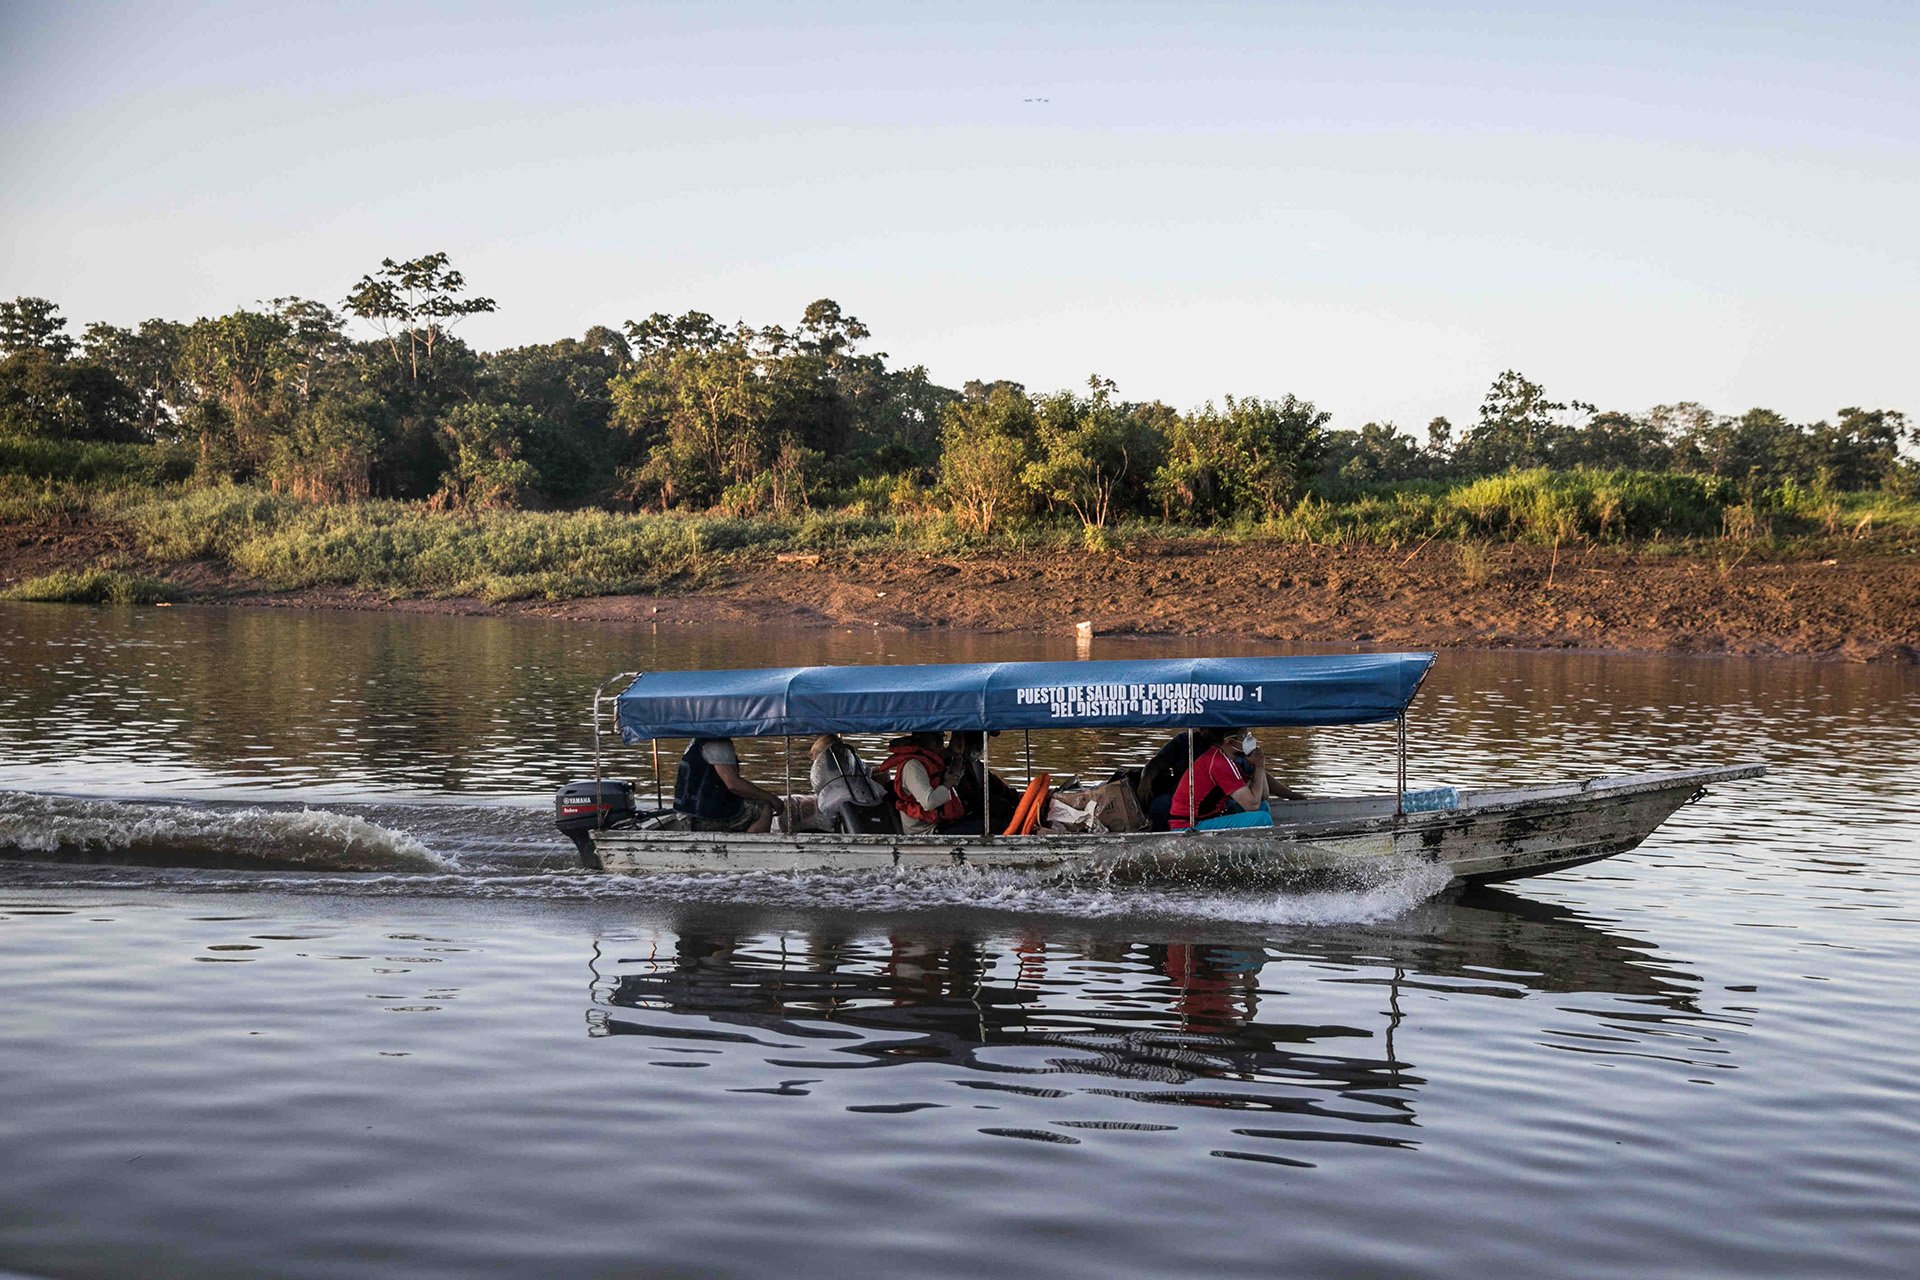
(1476, 835)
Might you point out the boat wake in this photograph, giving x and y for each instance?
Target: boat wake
(1380, 892)
(1391, 890)
(509, 854)
(68, 829)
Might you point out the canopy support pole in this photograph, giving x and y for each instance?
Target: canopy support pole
(986, 792)
(786, 814)
(1192, 817)
(599, 691)
(1029, 734)
(655, 742)
(1400, 761)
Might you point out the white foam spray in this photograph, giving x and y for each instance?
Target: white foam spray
(205, 835)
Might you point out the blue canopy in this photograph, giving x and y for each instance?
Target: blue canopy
(1173, 693)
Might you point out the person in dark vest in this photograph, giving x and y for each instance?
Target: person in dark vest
(921, 791)
(980, 809)
(711, 790)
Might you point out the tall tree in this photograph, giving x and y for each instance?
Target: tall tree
(33, 324)
(1519, 426)
(1377, 452)
(415, 303)
(566, 440)
(44, 391)
(147, 361)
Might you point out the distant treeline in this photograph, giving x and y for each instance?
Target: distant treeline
(686, 413)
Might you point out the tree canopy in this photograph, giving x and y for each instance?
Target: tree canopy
(689, 412)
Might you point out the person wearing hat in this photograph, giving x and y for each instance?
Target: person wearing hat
(1228, 778)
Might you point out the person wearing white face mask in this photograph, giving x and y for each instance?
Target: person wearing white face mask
(1229, 778)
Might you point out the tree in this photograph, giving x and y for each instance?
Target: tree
(228, 365)
(1095, 455)
(1519, 427)
(42, 394)
(415, 302)
(986, 446)
(660, 332)
(1758, 448)
(146, 361)
(828, 332)
(710, 411)
(33, 324)
(484, 443)
(1377, 452)
(1861, 449)
(44, 391)
(1615, 439)
(563, 386)
(1252, 459)
(897, 419)
(696, 414)
(327, 448)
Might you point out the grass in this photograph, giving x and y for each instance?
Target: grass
(403, 548)
(89, 586)
(407, 548)
(28, 501)
(1523, 506)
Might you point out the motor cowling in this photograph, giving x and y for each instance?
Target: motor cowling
(581, 808)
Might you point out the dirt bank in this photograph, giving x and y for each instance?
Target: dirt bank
(1858, 604)
(1502, 597)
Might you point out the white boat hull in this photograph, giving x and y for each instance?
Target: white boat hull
(1493, 835)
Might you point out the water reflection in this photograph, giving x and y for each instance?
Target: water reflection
(207, 700)
(1302, 1032)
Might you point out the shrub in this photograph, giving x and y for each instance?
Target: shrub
(1597, 505)
(1252, 459)
(95, 463)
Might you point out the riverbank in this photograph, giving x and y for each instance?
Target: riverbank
(1843, 600)
(1512, 596)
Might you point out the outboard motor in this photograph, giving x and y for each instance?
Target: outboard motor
(584, 807)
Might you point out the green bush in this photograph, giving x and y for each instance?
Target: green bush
(1599, 506)
(94, 463)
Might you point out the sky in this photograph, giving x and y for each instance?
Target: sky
(1375, 207)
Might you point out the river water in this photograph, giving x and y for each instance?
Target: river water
(300, 982)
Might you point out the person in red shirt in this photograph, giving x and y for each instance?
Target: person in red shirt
(1229, 778)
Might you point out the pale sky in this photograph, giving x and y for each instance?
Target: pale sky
(1375, 207)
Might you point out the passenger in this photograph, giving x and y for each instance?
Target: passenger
(1160, 774)
(965, 768)
(848, 795)
(1230, 778)
(711, 790)
(920, 791)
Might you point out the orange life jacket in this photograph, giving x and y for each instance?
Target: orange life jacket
(936, 769)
